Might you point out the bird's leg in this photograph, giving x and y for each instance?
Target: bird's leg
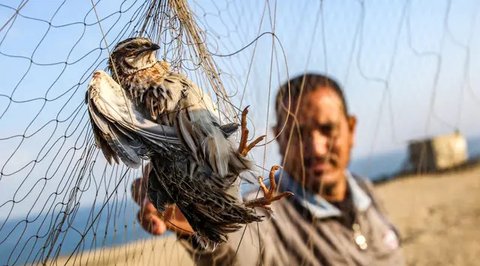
(243, 148)
(268, 193)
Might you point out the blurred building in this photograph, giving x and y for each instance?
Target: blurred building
(438, 153)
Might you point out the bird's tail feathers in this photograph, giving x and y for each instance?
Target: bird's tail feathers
(127, 150)
(223, 159)
(209, 143)
(205, 243)
(119, 145)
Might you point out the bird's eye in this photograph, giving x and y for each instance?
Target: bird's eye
(130, 46)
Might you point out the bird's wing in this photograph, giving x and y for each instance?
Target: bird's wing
(198, 127)
(120, 130)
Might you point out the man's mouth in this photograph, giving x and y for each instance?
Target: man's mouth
(319, 166)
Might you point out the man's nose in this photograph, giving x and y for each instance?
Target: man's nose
(319, 143)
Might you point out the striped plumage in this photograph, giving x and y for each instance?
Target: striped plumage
(194, 164)
(120, 130)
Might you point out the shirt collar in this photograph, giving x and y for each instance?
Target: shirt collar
(318, 206)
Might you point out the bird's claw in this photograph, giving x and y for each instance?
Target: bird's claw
(269, 195)
(243, 147)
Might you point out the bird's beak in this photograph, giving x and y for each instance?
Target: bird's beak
(152, 47)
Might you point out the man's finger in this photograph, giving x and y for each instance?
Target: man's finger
(138, 191)
(176, 221)
(151, 223)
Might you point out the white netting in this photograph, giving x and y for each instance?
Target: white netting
(408, 69)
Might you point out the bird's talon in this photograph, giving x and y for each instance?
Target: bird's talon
(243, 147)
(269, 193)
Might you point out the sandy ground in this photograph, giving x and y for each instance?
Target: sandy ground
(156, 251)
(438, 217)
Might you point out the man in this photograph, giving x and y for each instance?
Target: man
(333, 219)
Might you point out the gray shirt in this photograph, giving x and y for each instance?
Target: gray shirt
(306, 230)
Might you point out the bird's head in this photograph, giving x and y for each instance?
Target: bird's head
(132, 55)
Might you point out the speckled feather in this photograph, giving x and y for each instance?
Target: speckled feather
(120, 130)
(203, 178)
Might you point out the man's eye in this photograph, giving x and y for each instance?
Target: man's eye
(302, 130)
(328, 130)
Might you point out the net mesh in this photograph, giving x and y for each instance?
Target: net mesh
(408, 69)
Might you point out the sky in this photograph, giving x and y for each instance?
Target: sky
(408, 69)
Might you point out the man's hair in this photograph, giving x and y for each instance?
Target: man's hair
(310, 82)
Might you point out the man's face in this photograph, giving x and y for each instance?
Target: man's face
(319, 150)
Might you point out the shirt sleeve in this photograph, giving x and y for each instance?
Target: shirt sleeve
(242, 248)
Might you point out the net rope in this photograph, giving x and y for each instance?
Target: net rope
(59, 196)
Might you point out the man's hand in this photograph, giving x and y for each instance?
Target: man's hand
(153, 221)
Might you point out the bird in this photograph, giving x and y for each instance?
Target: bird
(145, 111)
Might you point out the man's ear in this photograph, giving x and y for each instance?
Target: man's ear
(275, 130)
(352, 126)
(280, 138)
